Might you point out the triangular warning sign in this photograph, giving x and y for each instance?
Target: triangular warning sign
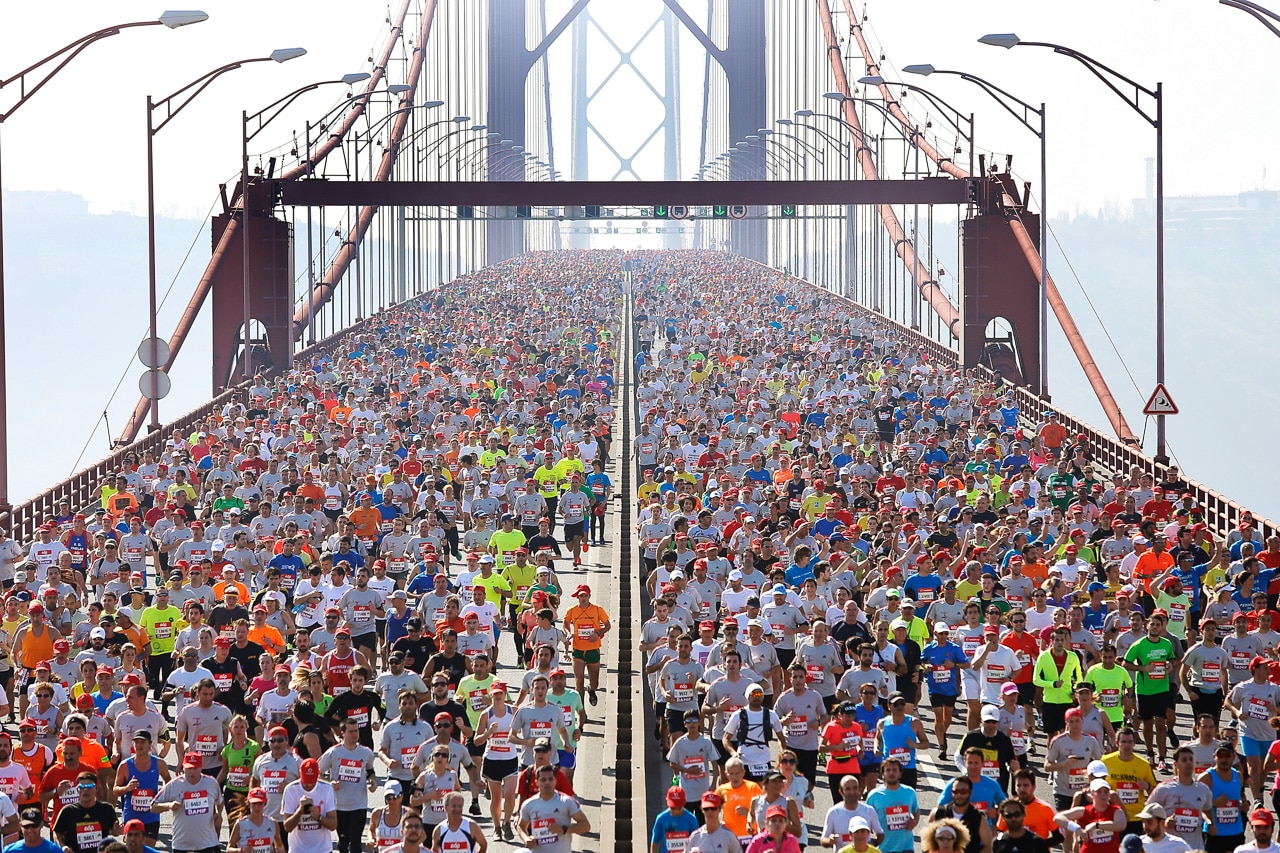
(1160, 403)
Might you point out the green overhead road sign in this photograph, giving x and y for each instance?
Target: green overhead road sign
(661, 211)
(789, 211)
(720, 211)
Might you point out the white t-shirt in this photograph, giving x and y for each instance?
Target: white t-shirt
(309, 836)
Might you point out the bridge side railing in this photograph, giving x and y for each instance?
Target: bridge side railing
(1222, 514)
(23, 519)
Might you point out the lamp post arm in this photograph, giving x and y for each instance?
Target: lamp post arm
(470, 160)
(942, 105)
(283, 104)
(1256, 11)
(438, 146)
(1108, 76)
(61, 57)
(793, 157)
(1001, 97)
(192, 90)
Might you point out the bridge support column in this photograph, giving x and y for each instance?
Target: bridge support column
(745, 67)
(508, 73)
(270, 293)
(997, 285)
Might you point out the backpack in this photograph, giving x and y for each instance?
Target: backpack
(766, 728)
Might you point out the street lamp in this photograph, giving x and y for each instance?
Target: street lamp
(183, 97)
(262, 119)
(1256, 11)
(26, 90)
(1022, 111)
(394, 89)
(1114, 80)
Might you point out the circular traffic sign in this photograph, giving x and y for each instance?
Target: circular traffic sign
(737, 211)
(162, 384)
(679, 211)
(162, 352)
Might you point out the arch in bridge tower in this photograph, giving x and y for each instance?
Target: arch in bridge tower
(998, 290)
(269, 265)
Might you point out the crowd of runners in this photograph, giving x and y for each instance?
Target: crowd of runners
(350, 612)
(353, 611)
(860, 559)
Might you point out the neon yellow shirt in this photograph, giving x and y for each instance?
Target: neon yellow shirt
(162, 626)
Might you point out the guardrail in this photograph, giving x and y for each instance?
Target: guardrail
(23, 519)
(1222, 514)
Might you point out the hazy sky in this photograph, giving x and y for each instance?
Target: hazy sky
(85, 134)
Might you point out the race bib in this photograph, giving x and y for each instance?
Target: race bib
(222, 681)
(1211, 674)
(238, 777)
(1186, 820)
(1240, 661)
(164, 630)
(1257, 709)
(1019, 742)
(1077, 778)
(991, 769)
(814, 673)
(694, 767)
(797, 727)
(407, 754)
(195, 803)
(362, 613)
(1110, 697)
(350, 770)
(587, 633)
(682, 692)
(997, 674)
(476, 700)
(88, 835)
(970, 646)
(273, 781)
(1159, 670)
(1128, 793)
(1228, 814)
(206, 744)
(140, 800)
(541, 830)
(897, 817)
(677, 842)
(941, 676)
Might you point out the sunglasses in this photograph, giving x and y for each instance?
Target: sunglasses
(786, 761)
(542, 749)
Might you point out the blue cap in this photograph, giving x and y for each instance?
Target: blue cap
(838, 537)
(779, 589)
(1097, 587)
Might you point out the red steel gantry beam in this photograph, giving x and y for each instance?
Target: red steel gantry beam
(1074, 337)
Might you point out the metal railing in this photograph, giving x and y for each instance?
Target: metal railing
(1222, 514)
(23, 519)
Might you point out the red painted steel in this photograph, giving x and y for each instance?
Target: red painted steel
(561, 193)
(1078, 345)
(223, 245)
(941, 305)
(325, 287)
(1222, 514)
